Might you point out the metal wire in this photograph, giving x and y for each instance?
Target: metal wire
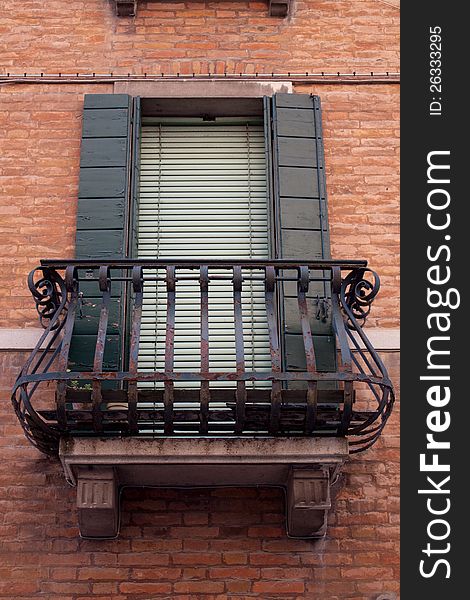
(353, 77)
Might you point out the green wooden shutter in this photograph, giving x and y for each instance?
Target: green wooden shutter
(302, 220)
(103, 199)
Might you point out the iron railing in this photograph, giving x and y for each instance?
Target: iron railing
(52, 401)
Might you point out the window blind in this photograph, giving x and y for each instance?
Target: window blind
(203, 195)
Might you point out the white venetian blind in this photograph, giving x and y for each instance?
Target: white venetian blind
(203, 196)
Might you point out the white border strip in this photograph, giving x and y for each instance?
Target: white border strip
(20, 339)
(382, 338)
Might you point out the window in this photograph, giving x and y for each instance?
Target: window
(151, 172)
(280, 135)
(202, 194)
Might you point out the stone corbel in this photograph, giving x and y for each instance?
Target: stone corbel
(126, 8)
(97, 502)
(279, 8)
(308, 502)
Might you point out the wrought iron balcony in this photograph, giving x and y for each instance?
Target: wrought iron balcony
(54, 402)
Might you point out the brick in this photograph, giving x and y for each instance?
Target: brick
(194, 573)
(20, 587)
(196, 545)
(266, 532)
(235, 558)
(64, 588)
(198, 518)
(267, 558)
(156, 573)
(280, 573)
(110, 588)
(234, 573)
(209, 558)
(238, 586)
(203, 532)
(156, 545)
(279, 587)
(130, 587)
(139, 558)
(102, 573)
(66, 574)
(369, 573)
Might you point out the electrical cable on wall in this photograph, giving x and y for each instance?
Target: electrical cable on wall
(305, 77)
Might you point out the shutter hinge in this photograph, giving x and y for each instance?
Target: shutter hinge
(322, 308)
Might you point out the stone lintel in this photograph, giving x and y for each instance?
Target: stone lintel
(189, 88)
(128, 8)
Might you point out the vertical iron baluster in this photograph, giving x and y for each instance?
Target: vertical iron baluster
(71, 286)
(312, 387)
(168, 395)
(276, 390)
(346, 360)
(138, 287)
(204, 395)
(96, 392)
(239, 350)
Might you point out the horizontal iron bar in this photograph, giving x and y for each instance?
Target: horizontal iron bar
(195, 376)
(211, 278)
(256, 416)
(127, 263)
(255, 396)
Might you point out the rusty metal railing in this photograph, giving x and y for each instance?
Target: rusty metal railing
(353, 400)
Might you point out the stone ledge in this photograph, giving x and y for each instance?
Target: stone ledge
(304, 467)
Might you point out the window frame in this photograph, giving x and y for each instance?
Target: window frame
(187, 119)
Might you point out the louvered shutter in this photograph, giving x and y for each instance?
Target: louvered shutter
(203, 195)
(101, 219)
(302, 220)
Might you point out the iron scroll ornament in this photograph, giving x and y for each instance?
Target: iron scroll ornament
(357, 294)
(49, 293)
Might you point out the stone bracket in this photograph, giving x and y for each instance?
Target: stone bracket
(279, 8)
(128, 8)
(97, 502)
(308, 502)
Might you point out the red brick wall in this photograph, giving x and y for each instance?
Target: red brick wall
(193, 544)
(186, 37)
(207, 544)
